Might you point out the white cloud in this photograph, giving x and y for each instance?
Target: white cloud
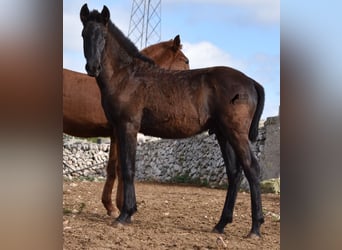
(205, 54)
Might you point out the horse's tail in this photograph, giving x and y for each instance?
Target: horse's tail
(253, 131)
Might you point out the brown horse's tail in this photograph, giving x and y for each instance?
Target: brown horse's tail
(253, 131)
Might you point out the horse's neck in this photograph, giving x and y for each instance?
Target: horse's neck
(118, 65)
(113, 72)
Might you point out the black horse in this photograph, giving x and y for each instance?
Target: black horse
(173, 104)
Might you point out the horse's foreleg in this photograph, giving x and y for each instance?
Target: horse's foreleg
(127, 134)
(119, 191)
(111, 174)
(234, 174)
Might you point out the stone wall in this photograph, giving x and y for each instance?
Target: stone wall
(197, 159)
(270, 158)
(84, 159)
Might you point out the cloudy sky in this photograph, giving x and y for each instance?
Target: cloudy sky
(243, 34)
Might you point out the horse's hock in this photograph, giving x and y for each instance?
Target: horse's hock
(195, 160)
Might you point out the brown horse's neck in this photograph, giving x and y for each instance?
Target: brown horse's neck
(115, 55)
(165, 56)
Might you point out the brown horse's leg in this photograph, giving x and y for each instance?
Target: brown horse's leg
(234, 173)
(127, 134)
(253, 177)
(108, 187)
(119, 192)
(251, 169)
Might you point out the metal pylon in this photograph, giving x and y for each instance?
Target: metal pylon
(145, 22)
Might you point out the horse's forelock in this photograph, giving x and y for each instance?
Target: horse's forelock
(95, 16)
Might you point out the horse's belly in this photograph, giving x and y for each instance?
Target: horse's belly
(171, 126)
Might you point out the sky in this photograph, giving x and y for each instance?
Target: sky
(243, 34)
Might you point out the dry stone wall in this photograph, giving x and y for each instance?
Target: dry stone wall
(194, 160)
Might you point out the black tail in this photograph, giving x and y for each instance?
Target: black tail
(253, 131)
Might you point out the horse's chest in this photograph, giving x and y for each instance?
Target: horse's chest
(119, 108)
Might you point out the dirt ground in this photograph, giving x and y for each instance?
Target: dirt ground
(168, 217)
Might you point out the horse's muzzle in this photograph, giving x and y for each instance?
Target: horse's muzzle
(93, 70)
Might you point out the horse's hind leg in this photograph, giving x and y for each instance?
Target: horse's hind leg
(234, 174)
(252, 174)
(111, 174)
(251, 169)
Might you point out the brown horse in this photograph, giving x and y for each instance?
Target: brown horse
(173, 104)
(83, 115)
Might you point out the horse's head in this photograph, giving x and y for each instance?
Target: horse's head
(180, 60)
(168, 54)
(94, 37)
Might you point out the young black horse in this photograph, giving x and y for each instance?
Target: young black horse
(173, 104)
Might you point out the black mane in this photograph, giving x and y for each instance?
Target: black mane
(127, 44)
(124, 41)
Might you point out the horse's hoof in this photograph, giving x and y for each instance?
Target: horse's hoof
(117, 224)
(253, 236)
(113, 213)
(215, 230)
(128, 220)
(109, 207)
(124, 219)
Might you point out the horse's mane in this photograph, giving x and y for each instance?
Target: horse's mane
(124, 41)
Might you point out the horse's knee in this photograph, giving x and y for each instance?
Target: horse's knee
(128, 175)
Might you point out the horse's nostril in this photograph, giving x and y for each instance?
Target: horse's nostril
(187, 61)
(87, 67)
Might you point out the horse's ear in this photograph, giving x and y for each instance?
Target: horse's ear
(105, 14)
(84, 13)
(176, 43)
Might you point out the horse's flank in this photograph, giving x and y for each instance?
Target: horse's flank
(83, 115)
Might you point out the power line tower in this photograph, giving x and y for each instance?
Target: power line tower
(145, 22)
